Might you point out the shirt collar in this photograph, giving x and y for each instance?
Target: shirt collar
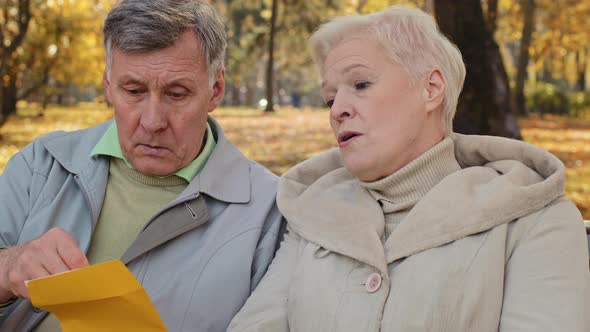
(109, 145)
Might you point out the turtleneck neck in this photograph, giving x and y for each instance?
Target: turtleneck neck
(399, 192)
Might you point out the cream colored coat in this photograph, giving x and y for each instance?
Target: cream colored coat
(493, 247)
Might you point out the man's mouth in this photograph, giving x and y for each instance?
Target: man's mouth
(152, 149)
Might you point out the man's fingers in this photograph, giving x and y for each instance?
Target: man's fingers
(70, 253)
(53, 252)
(59, 253)
(54, 264)
(31, 270)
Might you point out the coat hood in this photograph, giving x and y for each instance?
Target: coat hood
(501, 180)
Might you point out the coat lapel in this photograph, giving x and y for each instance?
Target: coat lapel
(170, 224)
(346, 219)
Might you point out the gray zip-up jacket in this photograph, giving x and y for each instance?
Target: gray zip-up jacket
(198, 258)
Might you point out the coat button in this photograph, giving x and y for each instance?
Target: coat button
(373, 282)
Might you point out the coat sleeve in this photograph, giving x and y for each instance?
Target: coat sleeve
(15, 191)
(547, 280)
(270, 239)
(266, 309)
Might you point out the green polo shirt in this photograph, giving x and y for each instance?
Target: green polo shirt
(109, 146)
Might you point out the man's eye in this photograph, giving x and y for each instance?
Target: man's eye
(176, 95)
(134, 92)
(329, 103)
(361, 85)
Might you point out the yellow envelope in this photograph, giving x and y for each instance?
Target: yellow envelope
(101, 297)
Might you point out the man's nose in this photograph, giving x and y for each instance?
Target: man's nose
(153, 116)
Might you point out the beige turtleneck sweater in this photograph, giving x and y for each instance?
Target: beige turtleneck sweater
(399, 192)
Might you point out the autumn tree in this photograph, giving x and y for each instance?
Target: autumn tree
(558, 42)
(485, 104)
(61, 45)
(250, 31)
(15, 16)
(270, 61)
(528, 10)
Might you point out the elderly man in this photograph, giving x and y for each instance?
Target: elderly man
(160, 187)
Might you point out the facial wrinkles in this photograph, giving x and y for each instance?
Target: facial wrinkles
(156, 68)
(336, 72)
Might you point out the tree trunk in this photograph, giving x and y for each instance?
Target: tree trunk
(235, 93)
(8, 88)
(9, 99)
(428, 6)
(492, 15)
(528, 10)
(270, 64)
(250, 98)
(360, 5)
(22, 22)
(485, 106)
(581, 66)
(547, 73)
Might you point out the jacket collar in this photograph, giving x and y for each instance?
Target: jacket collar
(72, 151)
(501, 180)
(225, 176)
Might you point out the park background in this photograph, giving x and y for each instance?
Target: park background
(527, 64)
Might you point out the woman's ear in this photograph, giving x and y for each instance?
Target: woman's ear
(434, 90)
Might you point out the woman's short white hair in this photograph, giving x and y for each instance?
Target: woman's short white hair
(410, 37)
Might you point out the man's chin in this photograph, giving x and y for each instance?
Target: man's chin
(150, 169)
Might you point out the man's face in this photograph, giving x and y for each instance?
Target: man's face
(161, 100)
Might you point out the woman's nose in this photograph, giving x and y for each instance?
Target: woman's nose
(341, 109)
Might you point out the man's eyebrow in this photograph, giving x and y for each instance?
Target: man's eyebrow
(182, 82)
(129, 80)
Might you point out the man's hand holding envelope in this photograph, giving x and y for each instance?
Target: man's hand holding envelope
(51, 253)
(101, 297)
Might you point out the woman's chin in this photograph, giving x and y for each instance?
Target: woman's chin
(358, 167)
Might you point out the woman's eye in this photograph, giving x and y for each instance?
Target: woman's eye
(361, 85)
(329, 103)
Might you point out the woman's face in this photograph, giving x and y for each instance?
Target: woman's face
(379, 118)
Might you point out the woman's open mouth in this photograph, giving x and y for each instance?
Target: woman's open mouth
(347, 137)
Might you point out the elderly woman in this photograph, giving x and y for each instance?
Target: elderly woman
(407, 226)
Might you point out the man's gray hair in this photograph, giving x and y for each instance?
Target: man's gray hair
(147, 25)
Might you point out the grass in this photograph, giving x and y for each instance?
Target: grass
(280, 140)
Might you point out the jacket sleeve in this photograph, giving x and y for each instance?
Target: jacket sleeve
(266, 309)
(268, 244)
(15, 189)
(547, 280)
